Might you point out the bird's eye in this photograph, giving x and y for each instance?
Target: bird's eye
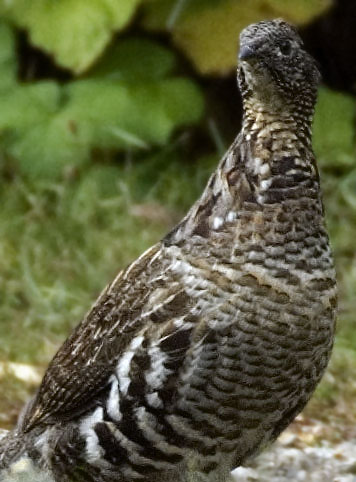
(285, 47)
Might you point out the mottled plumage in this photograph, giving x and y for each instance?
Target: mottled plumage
(204, 349)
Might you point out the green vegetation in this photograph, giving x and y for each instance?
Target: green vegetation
(96, 168)
(334, 143)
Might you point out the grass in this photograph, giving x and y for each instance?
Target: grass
(60, 243)
(335, 396)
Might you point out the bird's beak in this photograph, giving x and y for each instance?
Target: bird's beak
(247, 52)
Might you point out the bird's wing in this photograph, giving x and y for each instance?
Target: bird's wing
(145, 302)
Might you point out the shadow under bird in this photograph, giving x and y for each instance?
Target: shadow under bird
(207, 346)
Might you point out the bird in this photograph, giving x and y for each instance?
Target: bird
(203, 350)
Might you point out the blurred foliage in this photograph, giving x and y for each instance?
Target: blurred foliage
(75, 32)
(126, 104)
(97, 163)
(208, 30)
(335, 148)
(337, 144)
(132, 96)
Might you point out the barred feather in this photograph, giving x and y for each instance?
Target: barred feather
(205, 348)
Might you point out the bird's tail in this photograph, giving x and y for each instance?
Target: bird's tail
(15, 464)
(12, 448)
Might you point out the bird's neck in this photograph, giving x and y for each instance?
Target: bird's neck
(281, 162)
(271, 163)
(279, 124)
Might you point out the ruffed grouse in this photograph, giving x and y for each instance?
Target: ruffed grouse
(205, 348)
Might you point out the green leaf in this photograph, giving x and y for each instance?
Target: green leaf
(135, 60)
(48, 137)
(208, 31)
(298, 12)
(165, 14)
(75, 32)
(333, 128)
(25, 105)
(48, 129)
(50, 148)
(122, 115)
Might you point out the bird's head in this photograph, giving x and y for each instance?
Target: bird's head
(273, 64)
